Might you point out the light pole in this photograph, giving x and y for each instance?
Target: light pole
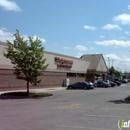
(108, 62)
(112, 63)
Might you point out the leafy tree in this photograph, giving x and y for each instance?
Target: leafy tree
(27, 57)
(117, 73)
(111, 70)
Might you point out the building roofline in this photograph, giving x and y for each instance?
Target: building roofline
(53, 53)
(3, 43)
(90, 55)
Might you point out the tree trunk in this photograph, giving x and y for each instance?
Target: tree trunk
(28, 87)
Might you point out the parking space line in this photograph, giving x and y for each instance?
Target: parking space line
(114, 109)
(82, 127)
(107, 116)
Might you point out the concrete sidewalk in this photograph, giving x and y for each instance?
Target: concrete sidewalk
(37, 90)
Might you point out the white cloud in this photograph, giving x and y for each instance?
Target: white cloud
(113, 43)
(9, 5)
(79, 54)
(127, 59)
(81, 48)
(129, 7)
(119, 62)
(111, 26)
(123, 19)
(112, 60)
(5, 35)
(112, 57)
(101, 36)
(66, 48)
(89, 27)
(42, 39)
(34, 38)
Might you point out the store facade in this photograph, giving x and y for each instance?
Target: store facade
(62, 70)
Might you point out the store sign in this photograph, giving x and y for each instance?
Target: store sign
(63, 63)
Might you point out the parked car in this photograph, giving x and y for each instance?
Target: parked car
(117, 79)
(117, 82)
(113, 84)
(107, 81)
(90, 82)
(80, 85)
(102, 84)
(124, 81)
(89, 85)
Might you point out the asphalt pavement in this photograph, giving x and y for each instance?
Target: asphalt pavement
(98, 109)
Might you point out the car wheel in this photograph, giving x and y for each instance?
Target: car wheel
(70, 87)
(95, 85)
(85, 88)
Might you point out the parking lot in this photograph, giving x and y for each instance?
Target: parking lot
(98, 109)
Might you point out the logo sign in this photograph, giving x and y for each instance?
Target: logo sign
(123, 124)
(63, 63)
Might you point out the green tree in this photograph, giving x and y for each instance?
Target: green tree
(117, 73)
(27, 57)
(111, 70)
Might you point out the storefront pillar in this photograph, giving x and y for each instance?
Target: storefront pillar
(93, 78)
(104, 76)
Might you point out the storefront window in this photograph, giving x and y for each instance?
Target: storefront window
(75, 75)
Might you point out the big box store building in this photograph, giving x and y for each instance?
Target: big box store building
(62, 70)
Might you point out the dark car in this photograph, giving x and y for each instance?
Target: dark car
(89, 85)
(102, 84)
(117, 79)
(80, 85)
(117, 82)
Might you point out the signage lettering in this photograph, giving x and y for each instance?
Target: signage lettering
(63, 60)
(63, 63)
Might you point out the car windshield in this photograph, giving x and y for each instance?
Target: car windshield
(77, 83)
(104, 82)
(86, 83)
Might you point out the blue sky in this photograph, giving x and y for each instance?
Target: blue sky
(72, 27)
